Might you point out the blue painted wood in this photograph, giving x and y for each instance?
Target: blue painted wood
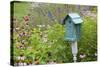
(72, 27)
(77, 20)
(78, 31)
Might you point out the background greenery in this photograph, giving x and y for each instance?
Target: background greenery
(45, 44)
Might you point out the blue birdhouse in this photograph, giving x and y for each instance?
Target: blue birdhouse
(72, 26)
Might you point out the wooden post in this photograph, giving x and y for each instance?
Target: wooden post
(74, 50)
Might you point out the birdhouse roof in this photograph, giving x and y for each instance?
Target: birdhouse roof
(74, 17)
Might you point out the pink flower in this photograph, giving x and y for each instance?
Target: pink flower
(20, 64)
(26, 18)
(82, 56)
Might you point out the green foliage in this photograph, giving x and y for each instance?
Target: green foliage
(60, 50)
(47, 44)
(88, 41)
(20, 9)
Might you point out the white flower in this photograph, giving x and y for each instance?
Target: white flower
(45, 40)
(40, 33)
(52, 62)
(95, 54)
(45, 35)
(82, 56)
(41, 26)
(49, 46)
(18, 58)
(23, 41)
(17, 28)
(48, 26)
(38, 25)
(22, 58)
(24, 64)
(29, 47)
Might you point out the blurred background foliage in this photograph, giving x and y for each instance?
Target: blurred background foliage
(39, 36)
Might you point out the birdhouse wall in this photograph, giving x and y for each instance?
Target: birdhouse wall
(70, 33)
(78, 30)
